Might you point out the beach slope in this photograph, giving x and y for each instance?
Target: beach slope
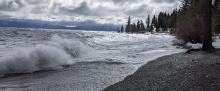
(198, 71)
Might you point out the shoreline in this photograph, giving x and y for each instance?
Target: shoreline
(198, 71)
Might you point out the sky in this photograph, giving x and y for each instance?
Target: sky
(100, 11)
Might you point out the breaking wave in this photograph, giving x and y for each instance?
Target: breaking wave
(54, 54)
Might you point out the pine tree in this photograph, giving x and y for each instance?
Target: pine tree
(142, 27)
(133, 28)
(148, 23)
(122, 29)
(165, 21)
(160, 20)
(216, 16)
(154, 23)
(138, 26)
(151, 28)
(128, 26)
(195, 22)
(205, 11)
(173, 19)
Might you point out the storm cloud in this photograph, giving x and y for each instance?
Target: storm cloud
(12, 5)
(44, 9)
(164, 1)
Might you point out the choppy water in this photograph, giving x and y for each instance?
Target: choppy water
(64, 60)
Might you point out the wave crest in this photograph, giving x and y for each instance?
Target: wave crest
(51, 55)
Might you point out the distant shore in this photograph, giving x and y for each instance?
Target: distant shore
(198, 71)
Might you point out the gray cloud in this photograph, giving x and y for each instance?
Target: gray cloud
(142, 10)
(124, 1)
(11, 5)
(164, 1)
(85, 8)
(82, 9)
(35, 2)
(38, 10)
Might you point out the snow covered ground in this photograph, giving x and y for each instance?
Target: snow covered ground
(216, 44)
(64, 60)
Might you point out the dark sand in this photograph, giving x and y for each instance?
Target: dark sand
(198, 71)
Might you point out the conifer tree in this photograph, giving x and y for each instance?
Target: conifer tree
(151, 28)
(154, 22)
(205, 11)
(133, 28)
(128, 26)
(195, 22)
(138, 26)
(148, 23)
(122, 29)
(173, 19)
(142, 27)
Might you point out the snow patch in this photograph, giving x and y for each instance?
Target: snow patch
(216, 44)
(194, 46)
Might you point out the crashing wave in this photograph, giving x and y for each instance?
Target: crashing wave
(51, 55)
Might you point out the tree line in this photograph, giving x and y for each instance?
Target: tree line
(164, 22)
(195, 21)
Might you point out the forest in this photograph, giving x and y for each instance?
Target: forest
(195, 21)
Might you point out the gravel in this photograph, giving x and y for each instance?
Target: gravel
(197, 71)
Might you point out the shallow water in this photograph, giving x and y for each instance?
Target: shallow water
(64, 60)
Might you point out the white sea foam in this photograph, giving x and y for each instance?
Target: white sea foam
(51, 55)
